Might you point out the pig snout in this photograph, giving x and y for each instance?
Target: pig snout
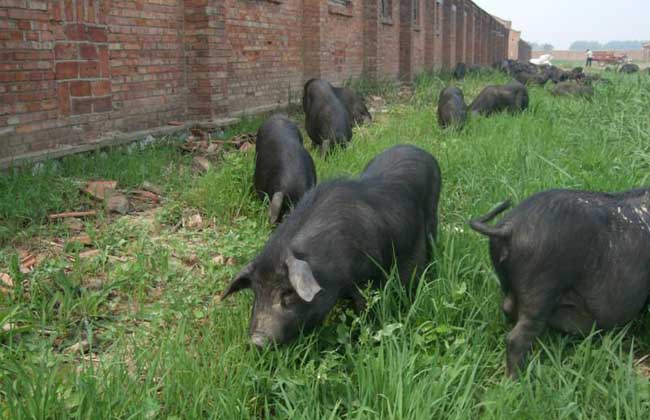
(260, 340)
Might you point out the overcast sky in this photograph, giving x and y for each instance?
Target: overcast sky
(560, 22)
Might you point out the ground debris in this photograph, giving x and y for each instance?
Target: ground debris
(100, 189)
(79, 347)
(6, 283)
(89, 254)
(221, 260)
(81, 239)
(643, 366)
(74, 214)
(118, 203)
(27, 263)
(200, 165)
(195, 221)
(148, 186)
(73, 224)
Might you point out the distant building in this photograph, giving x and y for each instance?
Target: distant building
(518, 49)
(646, 51)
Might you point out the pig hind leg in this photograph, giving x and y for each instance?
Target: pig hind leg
(535, 302)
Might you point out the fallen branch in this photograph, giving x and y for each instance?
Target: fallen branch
(72, 214)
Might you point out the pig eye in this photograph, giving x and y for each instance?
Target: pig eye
(288, 297)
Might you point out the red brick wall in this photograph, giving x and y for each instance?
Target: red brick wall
(147, 66)
(266, 59)
(76, 71)
(341, 41)
(419, 39)
(388, 43)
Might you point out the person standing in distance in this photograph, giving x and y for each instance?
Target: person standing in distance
(590, 57)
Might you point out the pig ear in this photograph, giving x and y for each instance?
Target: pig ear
(240, 282)
(302, 279)
(276, 206)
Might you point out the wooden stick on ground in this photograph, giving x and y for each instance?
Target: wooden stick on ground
(72, 214)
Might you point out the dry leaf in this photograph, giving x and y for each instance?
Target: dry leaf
(190, 260)
(89, 254)
(6, 283)
(219, 260)
(27, 263)
(145, 195)
(246, 147)
(82, 239)
(80, 347)
(8, 327)
(194, 222)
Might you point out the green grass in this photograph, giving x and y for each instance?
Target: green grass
(161, 346)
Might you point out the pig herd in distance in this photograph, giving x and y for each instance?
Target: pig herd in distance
(572, 260)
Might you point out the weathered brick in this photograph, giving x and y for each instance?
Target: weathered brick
(81, 106)
(67, 70)
(88, 52)
(102, 104)
(101, 87)
(89, 69)
(63, 95)
(75, 32)
(97, 34)
(104, 66)
(80, 88)
(64, 51)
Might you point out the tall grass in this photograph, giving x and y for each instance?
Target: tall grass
(437, 354)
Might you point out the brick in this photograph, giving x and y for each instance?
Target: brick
(57, 13)
(97, 34)
(88, 52)
(101, 87)
(65, 51)
(81, 106)
(75, 32)
(67, 70)
(24, 25)
(80, 88)
(63, 94)
(102, 104)
(104, 65)
(89, 69)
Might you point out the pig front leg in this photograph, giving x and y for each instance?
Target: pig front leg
(359, 302)
(325, 148)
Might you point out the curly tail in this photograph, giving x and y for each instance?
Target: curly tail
(479, 224)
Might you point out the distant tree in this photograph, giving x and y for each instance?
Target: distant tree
(541, 47)
(586, 45)
(623, 45)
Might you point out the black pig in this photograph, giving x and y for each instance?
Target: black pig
(512, 97)
(284, 170)
(570, 260)
(353, 103)
(629, 68)
(452, 110)
(342, 234)
(572, 88)
(326, 119)
(460, 71)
